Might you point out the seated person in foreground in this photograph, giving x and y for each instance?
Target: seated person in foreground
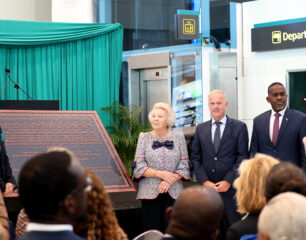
(100, 222)
(52, 189)
(4, 221)
(285, 177)
(196, 214)
(250, 197)
(283, 218)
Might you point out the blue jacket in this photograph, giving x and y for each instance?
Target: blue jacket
(289, 146)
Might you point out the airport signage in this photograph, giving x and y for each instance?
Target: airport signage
(287, 36)
(187, 25)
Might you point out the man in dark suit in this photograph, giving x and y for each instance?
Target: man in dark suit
(219, 146)
(53, 190)
(7, 180)
(279, 132)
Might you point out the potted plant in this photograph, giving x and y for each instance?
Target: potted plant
(124, 130)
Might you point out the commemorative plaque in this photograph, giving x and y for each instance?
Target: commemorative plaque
(31, 132)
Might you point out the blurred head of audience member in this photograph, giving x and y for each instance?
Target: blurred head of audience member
(285, 177)
(100, 222)
(250, 184)
(52, 188)
(196, 214)
(283, 218)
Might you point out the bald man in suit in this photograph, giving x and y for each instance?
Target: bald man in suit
(219, 147)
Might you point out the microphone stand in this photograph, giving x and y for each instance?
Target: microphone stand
(15, 84)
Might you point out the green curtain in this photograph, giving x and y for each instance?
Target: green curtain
(75, 63)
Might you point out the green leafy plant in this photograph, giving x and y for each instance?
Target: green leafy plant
(124, 130)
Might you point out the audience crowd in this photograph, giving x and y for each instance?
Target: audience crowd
(269, 193)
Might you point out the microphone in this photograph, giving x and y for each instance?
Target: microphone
(8, 71)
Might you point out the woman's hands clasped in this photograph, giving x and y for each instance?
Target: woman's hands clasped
(168, 176)
(168, 179)
(163, 187)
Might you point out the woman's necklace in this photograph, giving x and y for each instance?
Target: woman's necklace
(161, 135)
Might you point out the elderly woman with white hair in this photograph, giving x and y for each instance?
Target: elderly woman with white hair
(283, 218)
(161, 163)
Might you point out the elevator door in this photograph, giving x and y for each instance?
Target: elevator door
(154, 87)
(224, 76)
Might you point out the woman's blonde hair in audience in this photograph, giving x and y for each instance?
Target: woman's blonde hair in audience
(250, 184)
(101, 222)
(169, 111)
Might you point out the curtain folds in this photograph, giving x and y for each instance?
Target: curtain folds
(78, 64)
(27, 33)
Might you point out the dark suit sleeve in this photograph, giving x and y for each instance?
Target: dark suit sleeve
(303, 148)
(242, 153)
(231, 234)
(7, 175)
(196, 159)
(254, 147)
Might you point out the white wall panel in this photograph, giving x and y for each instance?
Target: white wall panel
(28, 10)
(257, 70)
(78, 11)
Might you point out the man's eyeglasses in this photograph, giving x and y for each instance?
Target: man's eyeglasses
(86, 187)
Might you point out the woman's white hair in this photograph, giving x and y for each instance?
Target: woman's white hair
(284, 217)
(169, 111)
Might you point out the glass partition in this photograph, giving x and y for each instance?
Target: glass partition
(146, 23)
(186, 85)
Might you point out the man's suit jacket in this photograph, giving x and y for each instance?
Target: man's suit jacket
(44, 235)
(289, 146)
(6, 174)
(222, 165)
(243, 227)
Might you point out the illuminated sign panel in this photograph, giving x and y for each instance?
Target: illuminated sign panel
(187, 26)
(287, 36)
(276, 37)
